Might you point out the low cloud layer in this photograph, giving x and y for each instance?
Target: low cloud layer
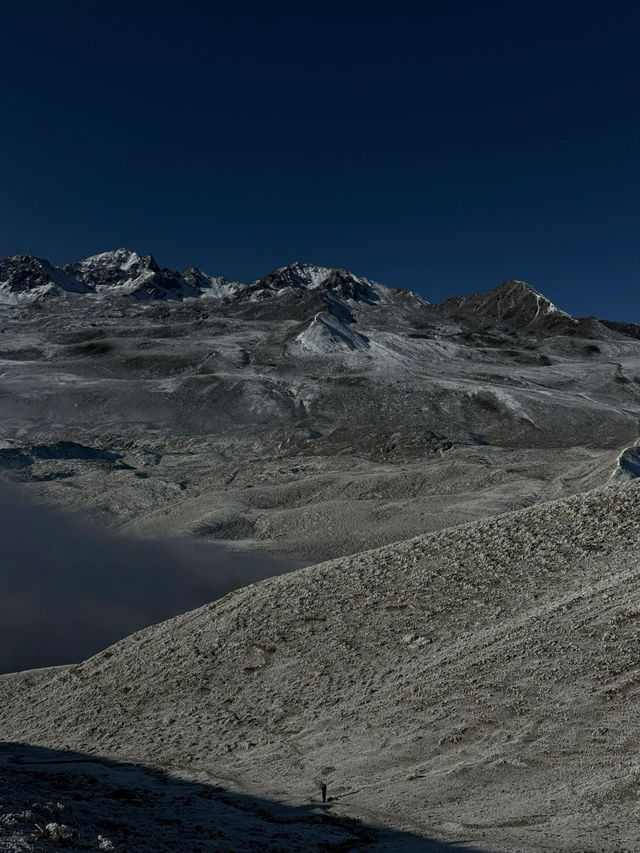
(67, 590)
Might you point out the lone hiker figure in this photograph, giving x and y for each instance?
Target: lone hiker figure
(324, 792)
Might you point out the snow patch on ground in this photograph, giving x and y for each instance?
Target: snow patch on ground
(8, 297)
(501, 399)
(326, 334)
(547, 307)
(130, 285)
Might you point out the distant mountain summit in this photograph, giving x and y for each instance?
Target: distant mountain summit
(513, 302)
(115, 352)
(112, 268)
(126, 273)
(214, 286)
(324, 297)
(27, 276)
(130, 274)
(305, 276)
(341, 283)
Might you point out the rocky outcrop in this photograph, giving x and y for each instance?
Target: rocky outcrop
(31, 277)
(514, 303)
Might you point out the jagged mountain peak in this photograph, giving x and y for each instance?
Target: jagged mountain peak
(121, 255)
(303, 276)
(123, 271)
(103, 267)
(516, 283)
(24, 259)
(515, 286)
(351, 286)
(297, 274)
(214, 286)
(514, 302)
(27, 276)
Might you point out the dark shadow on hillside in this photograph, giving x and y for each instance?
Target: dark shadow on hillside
(141, 810)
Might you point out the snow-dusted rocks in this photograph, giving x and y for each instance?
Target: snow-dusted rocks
(27, 278)
(304, 276)
(337, 283)
(309, 362)
(513, 303)
(327, 334)
(59, 833)
(127, 273)
(213, 286)
(122, 272)
(352, 287)
(111, 269)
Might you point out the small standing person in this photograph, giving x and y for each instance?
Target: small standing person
(324, 792)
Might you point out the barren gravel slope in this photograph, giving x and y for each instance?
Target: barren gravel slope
(480, 682)
(230, 419)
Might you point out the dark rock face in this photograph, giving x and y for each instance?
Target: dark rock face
(631, 330)
(336, 288)
(349, 286)
(165, 284)
(300, 291)
(295, 275)
(204, 283)
(140, 275)
(112, 268)
(25, 273)
(307, 276)
(514, 303)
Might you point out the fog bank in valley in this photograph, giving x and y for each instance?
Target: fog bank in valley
(68, 590)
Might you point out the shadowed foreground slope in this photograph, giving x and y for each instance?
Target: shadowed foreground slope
(105, 805)
(480, 682)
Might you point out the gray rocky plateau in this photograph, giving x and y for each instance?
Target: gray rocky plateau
(475, 683)
(312, 413)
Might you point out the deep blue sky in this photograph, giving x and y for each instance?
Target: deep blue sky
(442, 146)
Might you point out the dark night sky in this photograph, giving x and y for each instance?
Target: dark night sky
(442, 146)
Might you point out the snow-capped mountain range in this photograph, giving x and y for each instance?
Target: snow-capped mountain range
(313, 414)
(25, 277)
(28, 279)
(124, 272)
(313, 363)
(310, 362)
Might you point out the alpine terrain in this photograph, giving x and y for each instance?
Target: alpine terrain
(458, 661)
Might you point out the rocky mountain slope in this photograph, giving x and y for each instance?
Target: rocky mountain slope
(515, 304)
(479, 683)
(312, 412)
(472, 678)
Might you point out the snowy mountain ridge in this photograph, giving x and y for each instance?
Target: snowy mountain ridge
(308, 362)
(123, 272)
